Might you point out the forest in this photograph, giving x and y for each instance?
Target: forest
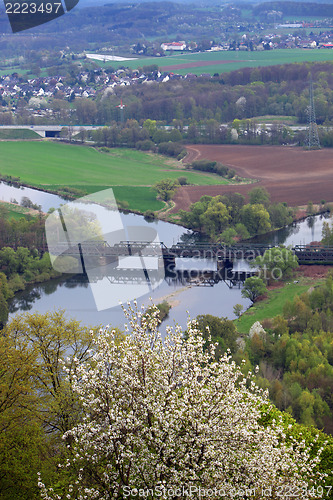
(294, 353)
(227, 218)
(246, 93)
(301, 9)
(21, 263)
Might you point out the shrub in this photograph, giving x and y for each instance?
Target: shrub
(170, 148)
(146, 145)
(149, 215)
(182, 181)
(204, 165)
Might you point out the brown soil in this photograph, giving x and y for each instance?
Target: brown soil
(315, 271)
(195, 64)
(289, 174)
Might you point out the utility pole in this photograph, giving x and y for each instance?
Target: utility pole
(121, 106)
(312, 141)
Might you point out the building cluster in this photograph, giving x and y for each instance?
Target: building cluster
(14, 86)
(249, 42)
(40, 92)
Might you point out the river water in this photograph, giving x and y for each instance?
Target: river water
(76, 297)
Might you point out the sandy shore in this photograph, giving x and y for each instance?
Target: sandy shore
(170, 298)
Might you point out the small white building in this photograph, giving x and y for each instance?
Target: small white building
(173, 46)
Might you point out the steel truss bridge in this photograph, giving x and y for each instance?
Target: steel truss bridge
(224, 255)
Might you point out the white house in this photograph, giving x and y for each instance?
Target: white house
(173, 46)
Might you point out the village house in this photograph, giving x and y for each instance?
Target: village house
(173, 46)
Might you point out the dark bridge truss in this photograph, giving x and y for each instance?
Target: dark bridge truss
(306, 254)
(148, 249)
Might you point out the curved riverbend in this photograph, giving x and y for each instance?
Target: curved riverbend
(74, 294)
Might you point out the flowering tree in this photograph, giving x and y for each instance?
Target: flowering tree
(162, 416)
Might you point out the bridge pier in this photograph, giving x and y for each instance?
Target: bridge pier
(223, 263)
(169, 262)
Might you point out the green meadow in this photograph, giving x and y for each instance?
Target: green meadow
(232, 60)
(131, 173)
(272, 305)
(11, 211)
(6, 134)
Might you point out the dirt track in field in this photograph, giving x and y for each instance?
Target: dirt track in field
(289, 174)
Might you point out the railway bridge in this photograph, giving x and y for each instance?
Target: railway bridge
(97, 252)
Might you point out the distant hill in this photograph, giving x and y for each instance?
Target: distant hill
(297, 8)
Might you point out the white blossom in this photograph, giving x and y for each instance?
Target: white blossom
(257, 329)
(165, 414)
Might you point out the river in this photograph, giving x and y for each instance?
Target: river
(74, 294)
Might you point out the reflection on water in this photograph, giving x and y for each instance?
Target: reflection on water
(189, 293)
(45, 200)
(24, 301)
(300, 233)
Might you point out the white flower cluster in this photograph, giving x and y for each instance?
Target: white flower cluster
(164, 414)
(258, 329)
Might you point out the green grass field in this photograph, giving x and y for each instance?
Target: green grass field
(131, 173)
(231, 60)
(273, 305)
(11, 211)
(6, 134)
(289, 120)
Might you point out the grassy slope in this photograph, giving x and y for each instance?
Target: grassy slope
(11, 211)
(18, 134)
(47, 163)
(233, 59)
(132, 173)
(272, 305)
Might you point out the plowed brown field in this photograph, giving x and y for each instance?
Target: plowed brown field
(289, 174)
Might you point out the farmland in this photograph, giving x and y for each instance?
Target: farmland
(51, 166)
(224, 61)
(288, 173)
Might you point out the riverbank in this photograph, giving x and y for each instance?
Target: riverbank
(17, 211)
(271, 304)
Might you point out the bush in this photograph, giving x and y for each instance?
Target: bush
(228, 236)
(74, 192)
(204, 165)
(213, 167)
(221, 170)
(149, 215)
(182, 155)
(170, 148)
(146, 145)
(182, 181)
(27, 203)
(16, 283)
(231, 173)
